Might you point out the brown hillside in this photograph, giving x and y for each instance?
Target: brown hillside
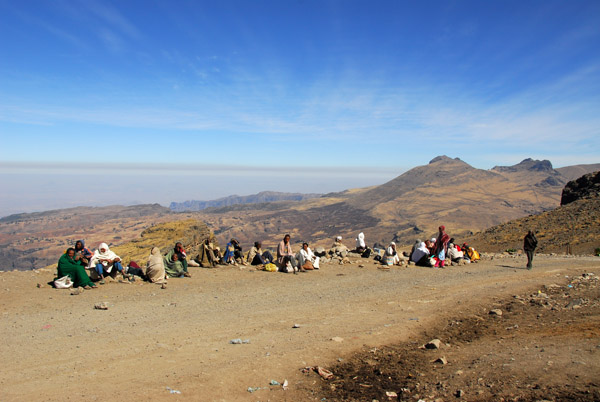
(36, 240)
(575, 171)
(576, 225)
(190, 232)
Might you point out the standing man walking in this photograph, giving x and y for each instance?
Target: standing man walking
(529, 245)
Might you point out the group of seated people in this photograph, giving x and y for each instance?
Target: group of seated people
(79, 260)
(440, 251)
(79, 263)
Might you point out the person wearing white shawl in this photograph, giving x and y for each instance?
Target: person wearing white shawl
(155, 269)
(454, 254)
(391, 257)
(421, 255)
(104, 260)
(306, 255)
(360, 243)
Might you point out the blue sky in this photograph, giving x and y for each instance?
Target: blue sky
(216, 98)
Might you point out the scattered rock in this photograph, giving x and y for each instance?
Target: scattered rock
(173, 391)
(433, 344)
(296, 326)
(459, 394)
(575, 303)
(326, 374)
(496, 311)
(101, 306)
(391, 394)
(76, 291)
(239, 341)
(337, 339)
(442, 360)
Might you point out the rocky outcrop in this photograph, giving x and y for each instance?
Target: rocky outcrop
(586, 186)
(190, 232)
(527, 164)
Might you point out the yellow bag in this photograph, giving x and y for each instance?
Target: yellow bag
(271, 267)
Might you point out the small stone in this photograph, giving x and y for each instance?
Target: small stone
(101, 306)
(337, 339)
(442, 360)
(460, 393)
(574, 303)
(391, 394)
(459, 372)
(433, 344)
(496, 311)
(39, 285)
(76, 291)
(296, 326)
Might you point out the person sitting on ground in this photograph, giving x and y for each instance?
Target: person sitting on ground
(440, 249)
(470, 253)
(391, 256)
(414, 247)
(134, 269)
(306, 258)
(456, 246)
(361, 246)
(257, 257)
(338, 249)
(83, 255)
(172, 265)
(285, 257)
(431, 245)
(67, 266)
(454, 254)
(155, 268)
(209, 255)
(233, 253)
(421, 255)
(106, 262)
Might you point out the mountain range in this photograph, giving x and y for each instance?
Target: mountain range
(445, 191)
(262, 197)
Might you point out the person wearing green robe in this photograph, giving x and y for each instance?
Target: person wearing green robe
(74, 270)
(173, 265)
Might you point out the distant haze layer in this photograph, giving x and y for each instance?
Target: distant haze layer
(51, 187)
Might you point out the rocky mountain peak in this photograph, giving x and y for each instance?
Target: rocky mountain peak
(443, 158)
(527, 164)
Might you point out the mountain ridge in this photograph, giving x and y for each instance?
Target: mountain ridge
(261, 197)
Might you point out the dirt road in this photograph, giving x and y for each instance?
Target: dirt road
(58, 347)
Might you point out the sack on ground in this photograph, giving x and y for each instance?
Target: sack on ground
(308, 265)
(270, 267)
(63, 283)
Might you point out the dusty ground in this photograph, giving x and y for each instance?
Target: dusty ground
(58, 347)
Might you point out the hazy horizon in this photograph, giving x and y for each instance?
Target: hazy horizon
(41, 187)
